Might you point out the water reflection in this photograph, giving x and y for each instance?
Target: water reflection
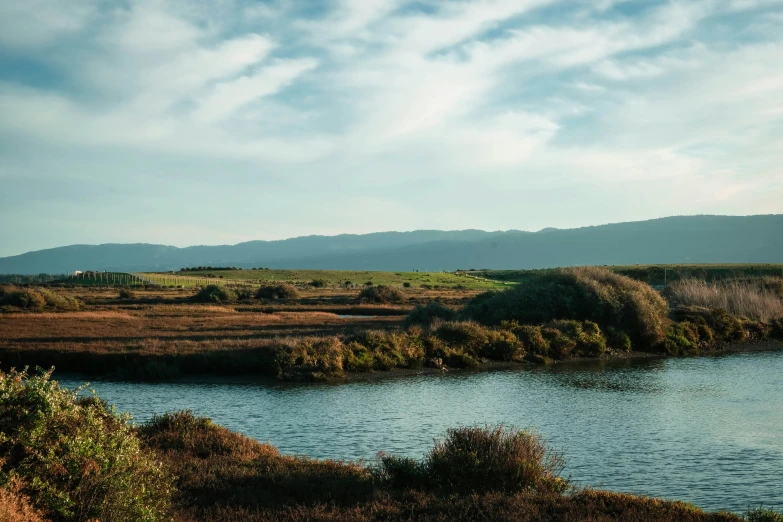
(707, 430)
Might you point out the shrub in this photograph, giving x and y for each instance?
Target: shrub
(381, 294)
(36, 298)
(16, 507)
(479, 460)
(681, 338)
(432, 312)
(752, 298)
(503, 345)
(582, 294)
(75, 459)
(126, 293)
(281, 291)
(712, 323)
(318, 283)
(468, 336)
(215, 294)
(763, 515)
(245, 293)
(586, 337)
(406, 285)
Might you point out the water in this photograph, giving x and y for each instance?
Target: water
(705, 430)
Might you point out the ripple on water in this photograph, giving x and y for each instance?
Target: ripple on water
(705, 430)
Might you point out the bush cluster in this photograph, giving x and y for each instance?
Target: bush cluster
(381, 294)
(281, 291)
(480, 460)
(36, 298)
(74, 458)
(426, 315)
(215, 294)
(582, 294)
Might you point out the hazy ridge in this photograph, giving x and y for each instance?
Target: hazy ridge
(682, 239)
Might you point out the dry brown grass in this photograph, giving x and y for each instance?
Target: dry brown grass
(746, 298)
(224, 476)
(15, 507)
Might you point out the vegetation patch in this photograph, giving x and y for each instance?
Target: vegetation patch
(760, 299)
(381, 294)
(73, 458)
(215, 294)
(281, 291)
(36, 298)
(582, 294)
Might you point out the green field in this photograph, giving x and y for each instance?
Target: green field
(334, 278)
(661, 274)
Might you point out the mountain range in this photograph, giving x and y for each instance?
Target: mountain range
(679, 239)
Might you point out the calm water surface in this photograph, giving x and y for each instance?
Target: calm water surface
(705, 430)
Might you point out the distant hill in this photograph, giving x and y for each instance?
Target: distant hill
(683, 239)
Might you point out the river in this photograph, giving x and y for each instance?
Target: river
(707, 430)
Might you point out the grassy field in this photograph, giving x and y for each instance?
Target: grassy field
(334, 278)
(659, 274)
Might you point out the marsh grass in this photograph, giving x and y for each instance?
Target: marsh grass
(760, 299)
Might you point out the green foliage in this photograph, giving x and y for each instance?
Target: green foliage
(381, 294)
(75, 459)
(479, 460)
(319, 283)
(281, 291)
(35, 298)
(681, 339)
(763, 515)
(582, 294)
(215, 294)
(426, 315)
(585, 336)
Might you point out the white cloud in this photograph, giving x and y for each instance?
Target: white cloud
(364, 94)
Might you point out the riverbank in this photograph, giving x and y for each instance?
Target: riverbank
(328, 334)
(186, 468)
(224, 476)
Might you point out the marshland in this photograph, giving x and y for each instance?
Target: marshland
(666, 391)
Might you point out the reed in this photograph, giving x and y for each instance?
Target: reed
(747, 298)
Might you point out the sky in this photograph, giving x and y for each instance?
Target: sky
(220, 121)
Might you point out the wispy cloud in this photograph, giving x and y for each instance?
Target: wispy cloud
(294, 100)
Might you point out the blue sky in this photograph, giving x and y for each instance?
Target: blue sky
(211, 122)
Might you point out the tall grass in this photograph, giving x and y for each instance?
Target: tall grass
(747, 298)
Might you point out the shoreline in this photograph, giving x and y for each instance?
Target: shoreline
(749, 347)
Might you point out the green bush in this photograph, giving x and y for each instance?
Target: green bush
(381, 294)
(426, 315)
(281, 291)
(126, 293)
(74, 458)
(586, 337)
(215, 294)
(763, 515)
(318, 283)
(479, 460)
(467, 336)
(582, 294)
(37, 298)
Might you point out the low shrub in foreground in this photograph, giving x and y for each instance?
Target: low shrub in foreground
(281, 291)
(381, 294)
(582, 294)
(16, 507)
(126, 293)
(479, 460)
(75, 459)
(215, 294)
(763, 515)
